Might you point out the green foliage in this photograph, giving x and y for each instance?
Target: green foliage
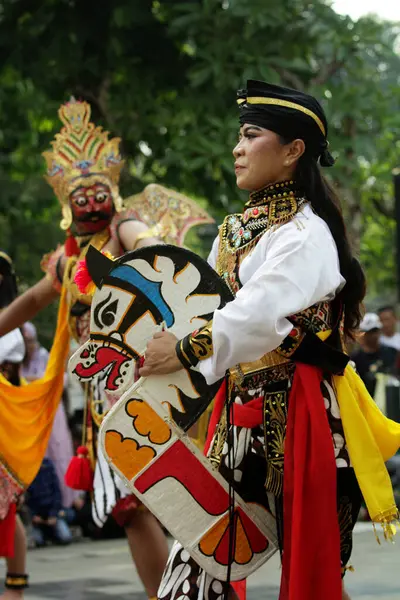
(163, 75)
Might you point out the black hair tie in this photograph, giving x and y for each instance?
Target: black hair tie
(326, 159)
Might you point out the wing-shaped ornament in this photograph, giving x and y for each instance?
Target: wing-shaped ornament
(169, 214)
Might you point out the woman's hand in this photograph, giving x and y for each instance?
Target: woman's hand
(160, 357)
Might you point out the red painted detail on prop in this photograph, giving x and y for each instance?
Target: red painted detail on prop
(179, 462)
(221, 552)
(104, 358)
(85, 354)
(257, 539)
(248, 540)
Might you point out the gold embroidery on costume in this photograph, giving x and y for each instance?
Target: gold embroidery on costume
(345, 524)
(239, 234)
(98, 240)
(314, 319)
(259, 372)
(201, 342)
(218, 442)
(275, 417)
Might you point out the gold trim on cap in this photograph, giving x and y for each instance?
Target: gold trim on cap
(286, 104)
(6, 257)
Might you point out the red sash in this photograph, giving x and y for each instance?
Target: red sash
(311, 560)
(311, 566)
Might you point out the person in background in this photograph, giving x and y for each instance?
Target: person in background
(36, 357)
(373, 356)
(12, 534)
(60, 448)
(45, 505)
(389, 336)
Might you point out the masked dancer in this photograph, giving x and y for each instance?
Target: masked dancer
(83, 168)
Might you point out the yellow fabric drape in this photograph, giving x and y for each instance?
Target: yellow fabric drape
(27, 412)
(371, 440)
(380, 391)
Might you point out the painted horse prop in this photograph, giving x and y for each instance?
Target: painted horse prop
(143, 437)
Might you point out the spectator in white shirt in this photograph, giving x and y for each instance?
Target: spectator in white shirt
(390, 336)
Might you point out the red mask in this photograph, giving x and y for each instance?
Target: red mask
(92, 208)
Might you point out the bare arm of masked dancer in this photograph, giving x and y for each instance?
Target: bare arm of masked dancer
(26, 306)
(294, 268)
(135, 234)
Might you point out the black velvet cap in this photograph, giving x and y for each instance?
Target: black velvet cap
(289, 113)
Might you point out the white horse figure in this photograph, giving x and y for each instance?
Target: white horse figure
(143, 436)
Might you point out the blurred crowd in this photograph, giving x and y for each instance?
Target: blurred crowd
(376, 355)
(51, 511)
(377, 358)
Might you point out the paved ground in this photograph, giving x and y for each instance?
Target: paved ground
(102, 570)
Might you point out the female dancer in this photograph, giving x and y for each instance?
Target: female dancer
(279, 345)
(12, 533)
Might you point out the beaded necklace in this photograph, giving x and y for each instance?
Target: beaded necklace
(269, 207)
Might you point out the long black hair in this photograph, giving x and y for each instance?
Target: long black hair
(8, 282)
(326, 204)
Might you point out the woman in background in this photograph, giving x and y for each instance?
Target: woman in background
(12, 533)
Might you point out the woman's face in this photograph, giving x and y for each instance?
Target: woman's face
(261, 159)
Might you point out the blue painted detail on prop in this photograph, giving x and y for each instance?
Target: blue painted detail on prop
(151, 289)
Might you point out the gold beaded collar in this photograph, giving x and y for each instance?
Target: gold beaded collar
(270, 207)
(276, 191)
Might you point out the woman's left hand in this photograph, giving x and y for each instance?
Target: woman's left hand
(160, 357)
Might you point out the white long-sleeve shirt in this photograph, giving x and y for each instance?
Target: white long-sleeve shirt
(291, 268)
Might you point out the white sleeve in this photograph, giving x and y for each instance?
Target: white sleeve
(12, 347)
(300, 268)
(212, 257)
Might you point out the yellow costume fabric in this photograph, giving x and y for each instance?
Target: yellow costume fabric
(27, 412)
(371, 440)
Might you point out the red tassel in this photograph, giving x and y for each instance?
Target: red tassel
(71, 245)
(79, 475)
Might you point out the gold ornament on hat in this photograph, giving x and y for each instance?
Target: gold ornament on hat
(82, 155)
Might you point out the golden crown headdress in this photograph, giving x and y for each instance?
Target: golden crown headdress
(81, 154)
